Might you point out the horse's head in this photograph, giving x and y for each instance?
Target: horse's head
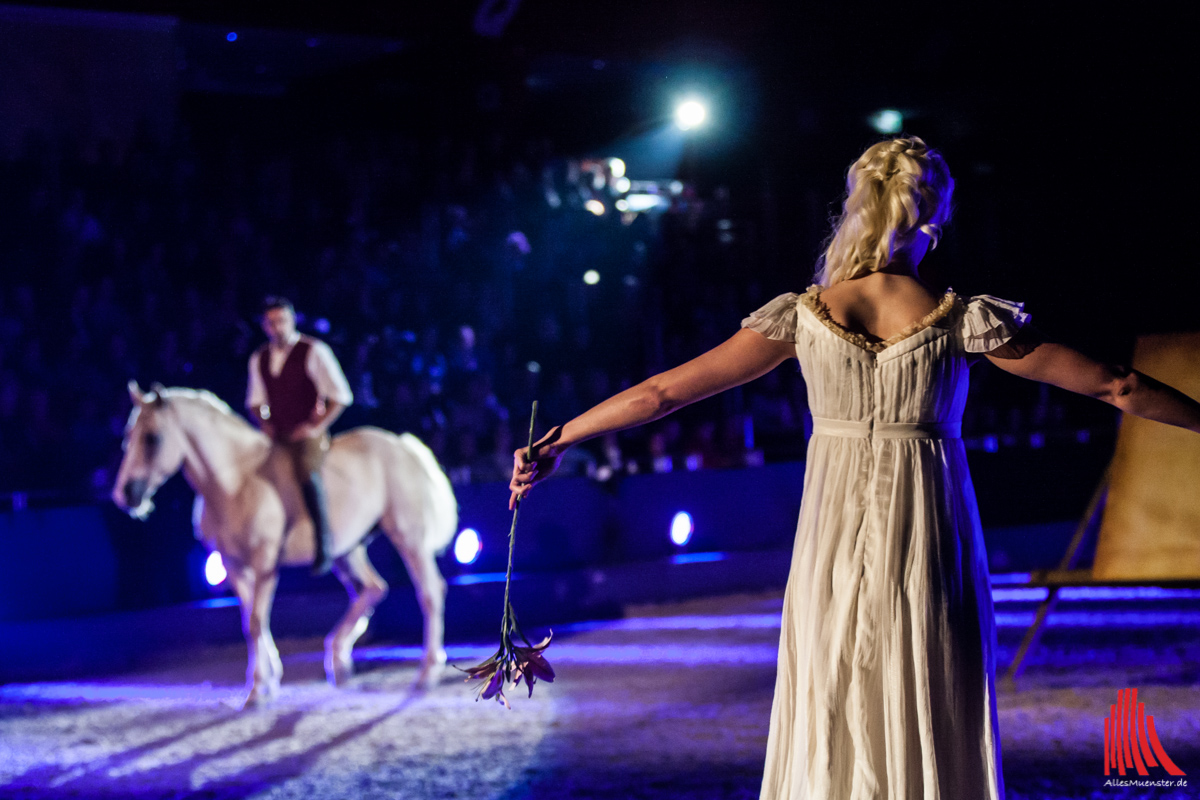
(154, 450)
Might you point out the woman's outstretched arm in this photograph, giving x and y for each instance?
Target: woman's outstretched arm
(741, 358)
(1030, 355)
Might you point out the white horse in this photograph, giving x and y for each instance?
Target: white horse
(250, 510)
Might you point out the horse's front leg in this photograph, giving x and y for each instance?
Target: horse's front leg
(264, 671)
(367, 590)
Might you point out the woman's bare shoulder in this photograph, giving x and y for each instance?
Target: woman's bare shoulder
(878, 294)
(881, 307)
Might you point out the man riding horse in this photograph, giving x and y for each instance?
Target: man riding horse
(296, 391)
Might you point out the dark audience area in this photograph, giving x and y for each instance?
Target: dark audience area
(447, 273)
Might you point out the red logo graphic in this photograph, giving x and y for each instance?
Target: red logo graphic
(1130, 740)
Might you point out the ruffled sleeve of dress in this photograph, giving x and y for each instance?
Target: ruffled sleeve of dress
(990, 322)
(777, 319)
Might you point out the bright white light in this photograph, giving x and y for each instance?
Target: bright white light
(681, 528)
(591, 277)
(214, 569)
(467, 546)
(887, 120)
(622, 205)
(690, 114)
(617, 167)
(595, 206)
(622, 184)
(645, 202)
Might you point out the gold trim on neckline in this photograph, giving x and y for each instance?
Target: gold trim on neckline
(811, 299)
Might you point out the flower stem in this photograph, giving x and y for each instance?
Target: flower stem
(509, 620)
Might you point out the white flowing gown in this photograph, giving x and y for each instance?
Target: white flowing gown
(886, 680)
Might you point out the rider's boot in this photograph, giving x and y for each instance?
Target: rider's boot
(314, 501)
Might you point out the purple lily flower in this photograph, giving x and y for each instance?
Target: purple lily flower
(532, 665)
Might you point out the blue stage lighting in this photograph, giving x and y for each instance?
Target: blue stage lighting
(231, 37)
(681, 528)
(887, 120)
(467, 546)
(214, 569)
(690, 114)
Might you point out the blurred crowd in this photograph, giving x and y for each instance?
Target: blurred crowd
(446, 273)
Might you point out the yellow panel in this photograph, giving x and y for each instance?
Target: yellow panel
(1151, 525)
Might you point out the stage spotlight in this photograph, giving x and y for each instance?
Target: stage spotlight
(534, 367)
(591, 277)
(681, 528)
(690, 114)
(467, 546)
(644, 202)
(617, 167)
(214, 569)
(622, 184)
(231, 37)
(622, 205)
(595, 206)
(887, 120)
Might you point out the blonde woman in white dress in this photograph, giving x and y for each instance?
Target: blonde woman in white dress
(886, 676)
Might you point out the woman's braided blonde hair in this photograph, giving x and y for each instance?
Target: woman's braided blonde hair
(896, 188)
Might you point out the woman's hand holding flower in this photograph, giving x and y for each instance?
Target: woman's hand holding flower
(547, 455)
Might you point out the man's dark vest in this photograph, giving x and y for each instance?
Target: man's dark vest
(292, 394)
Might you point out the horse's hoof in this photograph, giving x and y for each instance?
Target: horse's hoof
(257, 699)
(430, 675)
(338, 673)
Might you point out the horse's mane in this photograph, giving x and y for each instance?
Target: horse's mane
(203, 395)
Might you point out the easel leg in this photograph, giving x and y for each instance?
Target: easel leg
(1068, 563)
(1032, 635)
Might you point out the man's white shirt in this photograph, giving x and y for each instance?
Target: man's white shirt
(321, 365)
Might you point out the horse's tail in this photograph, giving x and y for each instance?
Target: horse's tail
(440, 512)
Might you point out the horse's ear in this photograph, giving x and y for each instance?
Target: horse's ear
(158, 389)
(135, 393)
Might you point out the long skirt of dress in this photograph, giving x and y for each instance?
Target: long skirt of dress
(886, 680)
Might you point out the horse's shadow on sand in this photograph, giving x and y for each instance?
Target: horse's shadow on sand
(164, 780)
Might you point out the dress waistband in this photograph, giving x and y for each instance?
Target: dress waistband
(867, 429)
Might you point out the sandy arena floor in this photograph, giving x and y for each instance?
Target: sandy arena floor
(671, 702)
